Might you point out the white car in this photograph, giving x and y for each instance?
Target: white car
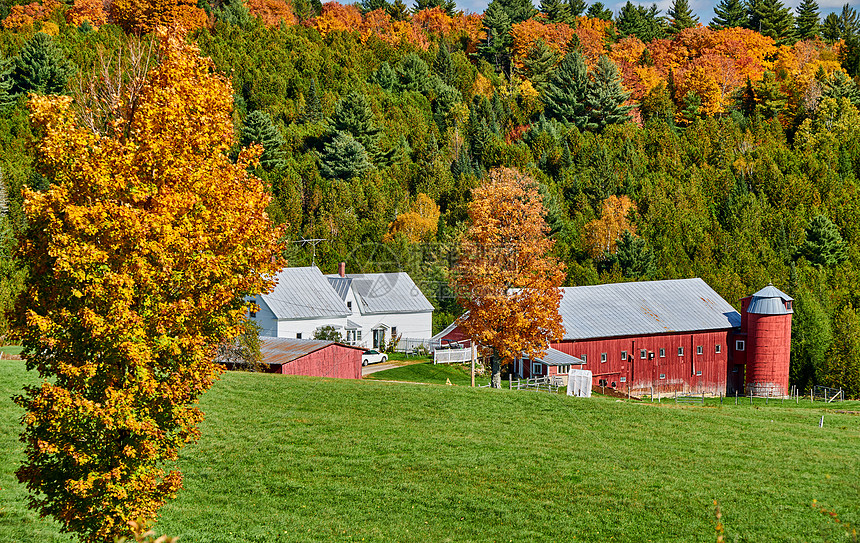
(372, 357)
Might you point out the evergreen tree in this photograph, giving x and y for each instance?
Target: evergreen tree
(234, 12)
(850, 55)
(811, 338)
(633, 256)
(518, 10)
(354, 116)
(629, 21)
(497, 24)
(259, 128)
(442, 65)
(343, 158)
(753, 9)
(729, 14)
(539, 64)
(775, 20)
(386, 77)
(838, 85)
(605, 97)
(557, 11)
(823, 247)
(448, 6)
(848, 22)
(372, 5)
(842, 366)
(312, 111)
(692, 110)
(807, 22)
(577, 7)
(566, 91)
(414, 73)
(830, 28)
(7, 97)
(657, 104)
(598, 11)
(398, 10)
(682, 16)
(770, 100)
(41, 67)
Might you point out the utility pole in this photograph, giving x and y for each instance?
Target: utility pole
(474, 355)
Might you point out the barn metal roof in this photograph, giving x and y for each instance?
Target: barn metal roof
(642, 308)
(554, 357)
(280, 350)
(304, 293)
(388, 293)
(340, 285)
(770, 301)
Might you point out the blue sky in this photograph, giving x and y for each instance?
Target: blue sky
(703, 8)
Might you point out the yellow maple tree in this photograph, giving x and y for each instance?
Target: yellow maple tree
(601, 234)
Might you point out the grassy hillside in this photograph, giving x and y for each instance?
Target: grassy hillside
(303, 459)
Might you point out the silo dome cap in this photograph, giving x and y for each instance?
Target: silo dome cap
(770, 301)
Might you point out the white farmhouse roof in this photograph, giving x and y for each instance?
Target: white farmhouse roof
(304, 293)
(385, 293)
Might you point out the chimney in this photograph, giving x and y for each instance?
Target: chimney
(341, 269)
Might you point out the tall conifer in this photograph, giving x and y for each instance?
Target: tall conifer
(681, 16)
(565, 92)
(807, 22)
(259, 128)
(605, 97)
(729, 14)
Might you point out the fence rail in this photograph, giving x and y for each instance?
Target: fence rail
(452, 356)
(827, 394)
(546, 384)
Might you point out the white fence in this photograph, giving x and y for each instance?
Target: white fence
(452, 356)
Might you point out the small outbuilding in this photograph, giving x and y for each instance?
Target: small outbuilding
(316, 358)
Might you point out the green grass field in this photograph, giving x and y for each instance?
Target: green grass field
(427, 372)
(305, 459)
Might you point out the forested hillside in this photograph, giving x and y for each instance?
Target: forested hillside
(664, 148)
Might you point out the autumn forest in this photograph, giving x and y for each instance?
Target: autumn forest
(663, 146)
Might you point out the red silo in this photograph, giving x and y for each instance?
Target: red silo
(768, 326)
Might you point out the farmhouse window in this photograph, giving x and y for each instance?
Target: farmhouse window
(358, 335)
(718, 349)
(603, 357)
(643, 354)
(349, 305)
(662, 376)
(536, 369)
(740, 345)
(253, 313)
(699, 349)
(298, 335)
(393, 332)
(680, 351)
(623, 355)
(662, 353)
(562, 370)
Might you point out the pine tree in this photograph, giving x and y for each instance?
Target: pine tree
(7, 97)
(41, 67)
(385, 77)
(398, 10)
(566, 90)
(497, 24)
(770, 100)
(577, 7)
(372, 5)
(442, 65)
(824, 246)
(343, 158)
(807, 22)
(729, 14)
(682, 16)
(634, 256)
(259, 128)
(838, 85)
(605, 97)
(753, 9)
(354, 116)
(448, 6)
(775, 20)
(518, 10)
(414, 73)
(848, 22)
(629, 21)
(598, 11)
(312, 111)
(539, 64)
(842, 363)
(557, 11)
(830, 30)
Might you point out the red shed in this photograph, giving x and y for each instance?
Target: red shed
(311, 357)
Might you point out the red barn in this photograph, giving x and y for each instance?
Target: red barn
(672, 336)
(311, 357)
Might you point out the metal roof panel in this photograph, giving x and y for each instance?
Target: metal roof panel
(280, 350)
(388, 293)
(304, 293)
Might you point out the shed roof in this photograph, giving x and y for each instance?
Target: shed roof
(304, 293)
(644, 308)
(388, 293)
(280, 350)
(770, 301)
(555, 357)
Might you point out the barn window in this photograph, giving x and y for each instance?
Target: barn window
(740, 345)
(298, 335)
(601, 382)
(699, 349)
(624, 379)
(662, 376)
(643, 354)
(562, 370)
(788, 304)
(680, 351)
(623, 355)
(583, 357)
(698, 373)
(536, 369)
(662, 353)
(603, 357)
(718, 349)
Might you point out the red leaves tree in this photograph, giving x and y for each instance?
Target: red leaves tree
(506, 277)
(140, 253)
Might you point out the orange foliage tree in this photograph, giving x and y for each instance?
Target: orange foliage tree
(26, 15)
(272, 12)
(526, 33)
(336, 17)
(417, 224)
(140, 254)
(601, 234)
(87, 10)
(506, 278)
(143, 16)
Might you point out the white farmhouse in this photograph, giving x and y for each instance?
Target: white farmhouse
(368, 309)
